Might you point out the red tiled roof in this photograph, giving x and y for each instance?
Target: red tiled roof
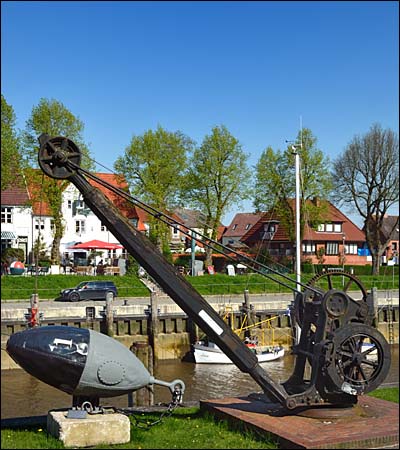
(351, 232)
(125, 207)
(15, 196)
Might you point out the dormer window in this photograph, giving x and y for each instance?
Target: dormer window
(234, 226)
(247, 226)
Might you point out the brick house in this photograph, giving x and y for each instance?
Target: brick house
(337, 240)
(240, 225)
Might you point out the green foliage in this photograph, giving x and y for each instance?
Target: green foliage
(132, 267)
(275, 186)
(153, 165)
(53, 118)
(12, 254)
(10, 152)
(183, 260)
(218, 177)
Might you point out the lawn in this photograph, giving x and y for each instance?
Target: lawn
(48, 286)
(186, 428)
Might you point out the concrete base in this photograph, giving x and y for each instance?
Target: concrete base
(375, 425)
(96, 429)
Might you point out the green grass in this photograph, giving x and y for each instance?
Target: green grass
(187, 428)
(48, 287)
(390, 394)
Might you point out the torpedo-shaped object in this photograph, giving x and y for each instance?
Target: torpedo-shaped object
(80, 362)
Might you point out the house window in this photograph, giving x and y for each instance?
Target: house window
(351, 249)
(234, 226)
(332, 248)
(135, 222)
(308, 247)
(6, 215)
(247, 226)
(39, 224)
(79, 226)
(394, 246)
(329, 227)
(103, 227)
(175, 232)
(337, 227)
(321, 227)
(69, 204)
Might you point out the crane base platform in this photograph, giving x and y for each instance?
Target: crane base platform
(371, 424)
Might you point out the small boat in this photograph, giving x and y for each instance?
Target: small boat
(209, 353)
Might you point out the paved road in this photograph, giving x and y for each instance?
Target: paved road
(165, 300)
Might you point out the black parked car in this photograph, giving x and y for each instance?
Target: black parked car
(89, 290)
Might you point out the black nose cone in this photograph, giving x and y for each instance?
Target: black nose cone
(55, 355)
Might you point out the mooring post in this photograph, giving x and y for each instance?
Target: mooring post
(153, 329)
(34, 311)
(145, 395)
(248, 311)
(109, 314)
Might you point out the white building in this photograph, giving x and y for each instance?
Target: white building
(25, 218)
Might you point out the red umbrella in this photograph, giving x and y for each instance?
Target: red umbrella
(96, 244)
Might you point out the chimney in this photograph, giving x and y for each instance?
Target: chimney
(316, 201)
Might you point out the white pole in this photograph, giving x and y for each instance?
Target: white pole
(298, 237)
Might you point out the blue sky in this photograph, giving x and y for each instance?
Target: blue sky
(255, 67)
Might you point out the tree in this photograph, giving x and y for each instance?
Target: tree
(53, 118)
(366, 176)
(10, 151)
(275, 185)
(218, 177)
(153, 165)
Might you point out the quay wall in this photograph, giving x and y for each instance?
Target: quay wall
(132, 322)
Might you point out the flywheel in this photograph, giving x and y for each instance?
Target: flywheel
(360, 359)
(323, 282)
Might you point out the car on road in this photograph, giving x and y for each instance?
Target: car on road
(89, 290)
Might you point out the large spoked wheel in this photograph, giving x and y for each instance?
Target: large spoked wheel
(58, 156)
(360, 360)
(342, 281)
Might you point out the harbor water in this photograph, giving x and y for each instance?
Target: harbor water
(23, 395)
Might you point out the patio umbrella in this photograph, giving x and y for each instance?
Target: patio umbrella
(95, 244)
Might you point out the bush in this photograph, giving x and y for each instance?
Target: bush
(12, 254)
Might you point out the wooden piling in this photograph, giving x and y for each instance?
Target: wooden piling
(144, 396)
(109, 314)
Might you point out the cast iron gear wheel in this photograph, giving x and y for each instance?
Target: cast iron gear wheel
(340, 280)
(323, 282)
(56, 155)
(360, 360)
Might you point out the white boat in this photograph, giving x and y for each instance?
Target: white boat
(209, 353)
